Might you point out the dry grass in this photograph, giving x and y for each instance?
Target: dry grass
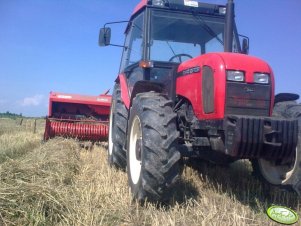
(33, 188)
(16, 140)
(60, 183)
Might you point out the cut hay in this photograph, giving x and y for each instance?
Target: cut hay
(32, 189)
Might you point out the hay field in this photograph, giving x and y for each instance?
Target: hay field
(62, 183)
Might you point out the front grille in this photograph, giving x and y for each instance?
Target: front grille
(247, 99)
(260, 137)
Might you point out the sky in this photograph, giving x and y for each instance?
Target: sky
(52, 45)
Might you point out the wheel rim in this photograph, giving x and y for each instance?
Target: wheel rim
(135, 150)
(110, 130)
(277, 174)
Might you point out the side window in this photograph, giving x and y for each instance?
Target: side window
(134, 43)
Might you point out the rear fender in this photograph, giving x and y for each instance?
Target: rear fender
(282, 97)
(125, 96)
(139, 87)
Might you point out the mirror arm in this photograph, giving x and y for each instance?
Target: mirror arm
(117, 22)
(118, 45)
(246, 37)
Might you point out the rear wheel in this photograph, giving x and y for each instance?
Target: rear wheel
(117, 130)
(152, 157)
(289, 173)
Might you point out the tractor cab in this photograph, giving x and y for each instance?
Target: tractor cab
(162, 34)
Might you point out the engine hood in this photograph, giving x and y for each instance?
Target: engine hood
(193, 84)
(230, 61)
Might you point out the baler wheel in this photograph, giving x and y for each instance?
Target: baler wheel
(288, 174)
(152, 156)
(117, 130)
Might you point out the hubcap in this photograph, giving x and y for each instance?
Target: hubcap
(135, 150)
(138, 149)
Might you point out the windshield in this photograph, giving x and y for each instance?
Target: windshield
(176, 37)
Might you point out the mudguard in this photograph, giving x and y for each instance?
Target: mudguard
(125, 96)
(139, 87)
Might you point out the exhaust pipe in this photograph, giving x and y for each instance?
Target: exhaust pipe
(228, 44)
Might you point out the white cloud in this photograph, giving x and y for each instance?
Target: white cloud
(32, 101)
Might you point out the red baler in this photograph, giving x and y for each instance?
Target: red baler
(78, 116)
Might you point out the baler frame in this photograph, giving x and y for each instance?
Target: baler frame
(78, 116)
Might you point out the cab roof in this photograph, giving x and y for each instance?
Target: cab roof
(182, 5)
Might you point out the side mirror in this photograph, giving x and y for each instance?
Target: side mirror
(104, 36)
(245, 46)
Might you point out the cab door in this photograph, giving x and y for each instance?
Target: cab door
(133, 52)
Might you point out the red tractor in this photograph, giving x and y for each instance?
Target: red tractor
(83, 117)
(187, 88)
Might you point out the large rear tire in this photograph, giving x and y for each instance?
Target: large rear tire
(152, 156)
(288, 174)
(117, 130)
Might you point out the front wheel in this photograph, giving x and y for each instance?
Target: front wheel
(288, 173)
(152, 155)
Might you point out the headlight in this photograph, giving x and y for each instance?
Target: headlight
(158, 3)
(261, 78)
(235, 76)
(222, 10)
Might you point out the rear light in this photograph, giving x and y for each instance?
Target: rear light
(261, 78)
(235, 76)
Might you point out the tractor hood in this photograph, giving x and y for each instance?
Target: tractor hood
(211, 78)
(230, 61)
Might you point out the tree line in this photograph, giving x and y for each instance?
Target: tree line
(10, 115)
